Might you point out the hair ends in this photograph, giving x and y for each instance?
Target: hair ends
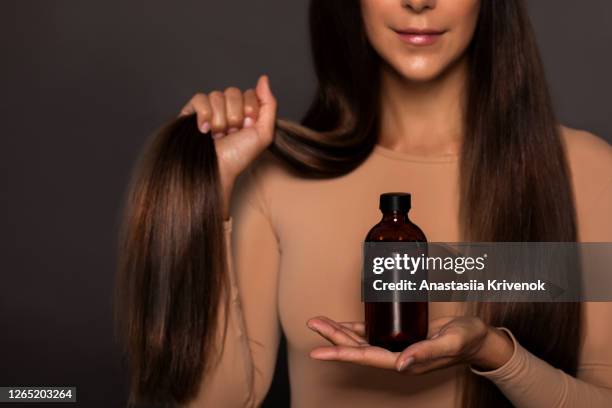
(171, 270)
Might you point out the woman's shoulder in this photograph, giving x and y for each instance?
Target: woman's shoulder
(587, 150)
(589, 156)
(590, 162)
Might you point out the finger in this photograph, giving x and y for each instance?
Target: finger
(200, 105)
(219, 118)
(422, 368)
(334, 334)
(187, 109)
(359, 339)
(445, 345)
(434, 326)
(368, 356)
(234, 108)
(267, 108)
(251, 107)
(357, 327)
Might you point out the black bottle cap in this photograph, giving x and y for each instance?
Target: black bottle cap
(394, 202)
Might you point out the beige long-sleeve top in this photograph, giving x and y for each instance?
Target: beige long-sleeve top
(295, 248)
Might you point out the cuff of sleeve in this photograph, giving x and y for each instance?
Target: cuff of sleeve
(510, 367)
(227, 224)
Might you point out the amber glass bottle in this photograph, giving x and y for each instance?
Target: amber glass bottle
(395, 325)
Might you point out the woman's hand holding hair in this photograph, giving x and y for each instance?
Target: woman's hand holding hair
(450, 341)
(241, 124)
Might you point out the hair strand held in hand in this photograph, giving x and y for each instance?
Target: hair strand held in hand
(171, 272)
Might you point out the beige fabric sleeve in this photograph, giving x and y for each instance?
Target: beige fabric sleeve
(529, 382)
(246, 365)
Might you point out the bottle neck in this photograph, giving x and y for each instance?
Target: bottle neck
(396, 217)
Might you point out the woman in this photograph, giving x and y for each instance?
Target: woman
(445, 99)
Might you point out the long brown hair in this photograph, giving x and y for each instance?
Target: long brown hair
(514, 187)
(171, 266)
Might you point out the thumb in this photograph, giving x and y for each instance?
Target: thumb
(267, 108)
(424, 351)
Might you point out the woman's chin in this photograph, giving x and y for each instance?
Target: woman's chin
(420, 72)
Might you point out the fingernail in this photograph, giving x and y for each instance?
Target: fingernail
(405, 363)
(311, 326)
(232, 130)
(218, 135)
(205, 127)
(435, 336)
(248, 122)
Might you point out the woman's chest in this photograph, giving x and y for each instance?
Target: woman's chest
(321, 248)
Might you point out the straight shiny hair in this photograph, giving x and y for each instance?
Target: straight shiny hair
(514, 186)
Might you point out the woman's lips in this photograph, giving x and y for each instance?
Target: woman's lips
(419, 37)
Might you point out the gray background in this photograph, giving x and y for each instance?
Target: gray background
(83, 84)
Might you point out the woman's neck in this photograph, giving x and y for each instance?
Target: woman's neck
(425, 118)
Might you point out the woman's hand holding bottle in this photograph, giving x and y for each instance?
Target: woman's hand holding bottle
(450, 341)
(241, 125)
